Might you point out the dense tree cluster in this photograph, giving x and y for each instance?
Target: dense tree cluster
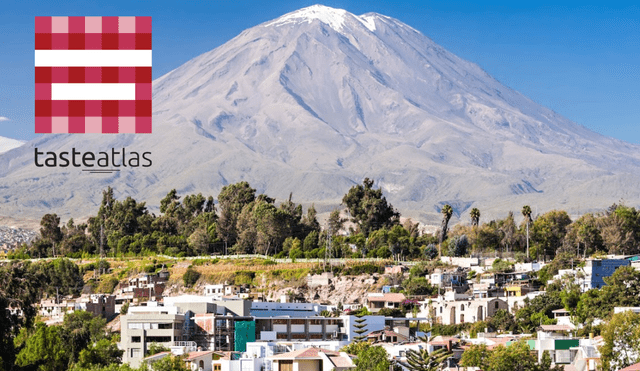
(248, 223)
(245, 223)
(614, 231)
(515, 357)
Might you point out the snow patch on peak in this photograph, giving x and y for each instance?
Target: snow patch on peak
(369, 21)
(332, 17)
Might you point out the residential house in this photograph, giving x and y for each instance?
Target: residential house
(395, 269)
(194, 361)
(322, 279)
(386, 336)
(199, 361)
(453, 308)
(377, 301)
(312, 359)
(562, 317)
(99, 304)
(592, 275)
(454, 280)
(142, 326)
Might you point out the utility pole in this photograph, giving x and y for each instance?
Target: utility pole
(102, 240)
(327, 250)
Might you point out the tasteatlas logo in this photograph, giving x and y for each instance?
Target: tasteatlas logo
(93, 75)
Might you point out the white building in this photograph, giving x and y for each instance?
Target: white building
(453, 308)
(275, 309)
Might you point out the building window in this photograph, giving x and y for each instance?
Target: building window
(497, 305)
(217, 367)
(157, 339)
(135, 353)
(135, 339)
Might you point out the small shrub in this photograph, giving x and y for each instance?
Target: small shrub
(107, 284)
(190, 277)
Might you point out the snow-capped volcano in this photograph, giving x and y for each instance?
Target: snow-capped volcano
(318, 99)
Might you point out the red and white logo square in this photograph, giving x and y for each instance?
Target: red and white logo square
(93, 74)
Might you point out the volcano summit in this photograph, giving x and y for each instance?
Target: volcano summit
(317, 100)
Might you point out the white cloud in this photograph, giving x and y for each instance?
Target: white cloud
(2, 118)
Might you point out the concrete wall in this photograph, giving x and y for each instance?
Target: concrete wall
(240, 308)
(460, 262)
(307, 365)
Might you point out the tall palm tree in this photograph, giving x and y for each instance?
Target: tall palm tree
(446, 211)
(475, 216)
(526, 212)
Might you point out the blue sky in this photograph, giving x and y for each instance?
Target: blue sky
(581, 60)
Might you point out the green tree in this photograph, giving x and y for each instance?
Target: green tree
(169, 363)
(422, 360)
(81, 328)
(50, 232)
(361, 326)
(155, 348)
(290, 219)
(103, 353)
(368, 208)
(501, 266)
(545, 363)
(476, 356)
(502, 320)
(446, 212)
(548, 232)
(20, 288)
(585, 236)
(538, 311)
(232, 199)
(475, 216)
(199, 241)
(62, 274)
(310, 221)
(621, 337)
(356, 347)
(190, 276)
(335, 222)
(418, 286)
(508, 232)
(516, 357)
(44, 349)
(457, 245)
(373, 358)
(622, 290)
(526, 212)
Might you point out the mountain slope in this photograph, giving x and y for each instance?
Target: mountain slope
(318, 99)
(7, 144)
